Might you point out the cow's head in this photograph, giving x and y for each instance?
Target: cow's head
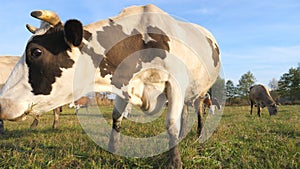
(272, 109)
(38, 83)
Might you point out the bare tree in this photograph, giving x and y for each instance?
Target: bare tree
(273, 84)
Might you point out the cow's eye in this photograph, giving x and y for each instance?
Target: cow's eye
(36, 52)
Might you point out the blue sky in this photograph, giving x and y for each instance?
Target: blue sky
(261, 36)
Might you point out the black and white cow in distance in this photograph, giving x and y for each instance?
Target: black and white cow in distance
(143, 54)
(260, 96)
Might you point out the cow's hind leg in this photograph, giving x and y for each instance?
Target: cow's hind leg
(114, 140)
(251, 106)
(1, 127)
(198, 109)
(173, 123)
(184, 118)
(56, 117)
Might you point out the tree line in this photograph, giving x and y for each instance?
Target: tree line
(286, 90)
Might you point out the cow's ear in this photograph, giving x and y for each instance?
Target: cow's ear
(73, 32)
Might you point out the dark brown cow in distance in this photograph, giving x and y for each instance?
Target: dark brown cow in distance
(260, 96)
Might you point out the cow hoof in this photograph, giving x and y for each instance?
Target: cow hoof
(175, 159)
(54, 126)
(176, 165)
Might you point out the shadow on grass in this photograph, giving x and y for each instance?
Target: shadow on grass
(19, 133)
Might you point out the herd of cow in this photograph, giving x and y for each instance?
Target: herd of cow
(136, 55)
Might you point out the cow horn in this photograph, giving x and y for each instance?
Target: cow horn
(31, 28)
(48, 16)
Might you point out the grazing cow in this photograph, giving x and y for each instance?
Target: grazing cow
(80, 103)
(200, 105)
(260, 96)
(207, 103)
(210, 103)
(143, 54)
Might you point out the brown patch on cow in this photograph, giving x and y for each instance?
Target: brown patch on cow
(215, 51)
(119, 46)
(87, 35)
(44, 68)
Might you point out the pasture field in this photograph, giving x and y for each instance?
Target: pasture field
(240, 141)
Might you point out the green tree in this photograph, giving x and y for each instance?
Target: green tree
(247, 80)
(230, 91)
(289, 84)
(218, 89)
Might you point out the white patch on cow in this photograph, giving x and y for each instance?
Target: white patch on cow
(212, 109)
(147, 38)
(94, 44)
(84, 79)
(137, 65)
(102, 84)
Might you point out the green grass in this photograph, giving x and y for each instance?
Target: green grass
(240, 141)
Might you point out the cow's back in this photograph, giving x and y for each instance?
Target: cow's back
(7, 63)
(259, 93)
(193, 47)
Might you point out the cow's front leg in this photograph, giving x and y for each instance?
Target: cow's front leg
(114, 140)
(35, 122)
(258, 110)
(173, 123)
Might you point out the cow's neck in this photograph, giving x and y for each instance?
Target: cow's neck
(96, 58)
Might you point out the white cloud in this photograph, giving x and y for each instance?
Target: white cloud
(200, 11)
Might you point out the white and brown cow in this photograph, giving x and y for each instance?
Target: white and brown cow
(143, 53)
(260, 96)
(210, 103)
